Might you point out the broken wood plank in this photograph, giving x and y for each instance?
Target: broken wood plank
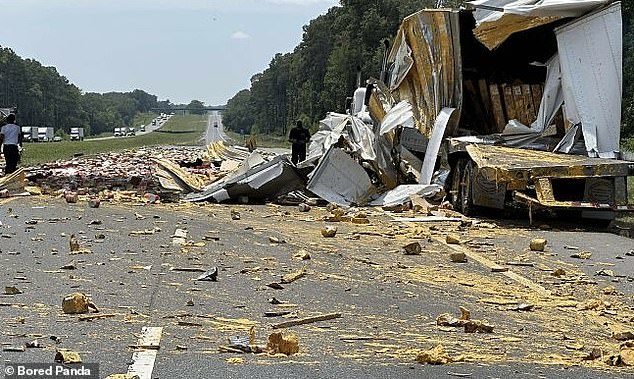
(276, 313)
(229, 349)
(14, 349)
(537, 93)
(361, 338)
(471, 95)
(524, 264)
(529, 106)
(485, 98)
(188, 269)
(187, 323)
(293, 276)
(509, 103)
(307, 320)
(96, 316)
(497, 107)
(520, 108)
(486, 262)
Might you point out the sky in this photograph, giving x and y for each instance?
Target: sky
(178, 50)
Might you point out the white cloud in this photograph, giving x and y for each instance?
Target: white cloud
(240, 35)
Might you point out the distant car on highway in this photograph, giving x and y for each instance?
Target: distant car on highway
(215, 124)
(57, 139)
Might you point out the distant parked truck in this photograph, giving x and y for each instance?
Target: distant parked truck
(118, 132)
(29, 133)
(45, 134)
(130, 132)
(76, 134)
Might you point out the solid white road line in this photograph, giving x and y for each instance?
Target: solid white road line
(145, 355)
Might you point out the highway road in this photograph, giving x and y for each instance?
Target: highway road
(149, 128)
(215, 129)
(139, 275)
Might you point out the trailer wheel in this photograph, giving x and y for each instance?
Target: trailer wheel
(466, 192)
(456, 179)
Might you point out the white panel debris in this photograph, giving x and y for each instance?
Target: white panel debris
(590, 50)
(340, 179)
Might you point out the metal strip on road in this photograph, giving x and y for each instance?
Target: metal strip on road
(490, 264)
(147, 347)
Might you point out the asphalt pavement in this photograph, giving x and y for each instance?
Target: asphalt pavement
(140, 274)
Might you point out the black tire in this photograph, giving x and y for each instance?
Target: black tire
(456, 179)
(466, 189)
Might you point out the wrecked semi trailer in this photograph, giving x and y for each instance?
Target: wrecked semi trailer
(514, 103)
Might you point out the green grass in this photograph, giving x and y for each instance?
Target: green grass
(262, 140)
(179, 130)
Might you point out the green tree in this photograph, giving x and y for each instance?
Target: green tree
(43, 97)
(320, 73)
(198, 106)
(238, 116)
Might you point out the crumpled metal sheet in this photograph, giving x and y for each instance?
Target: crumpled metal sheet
(400, 115)
(401, 194)
(491, 10)
(185, 181)
(493, 33)
(380, 101)
(358, 135)
(431, 154)
(590, 51)
(264, 181)
(218, 151)
(433, 80)
(340, 179)
(496, 20)
(552, 97)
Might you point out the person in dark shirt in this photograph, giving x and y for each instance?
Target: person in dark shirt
(298, 136)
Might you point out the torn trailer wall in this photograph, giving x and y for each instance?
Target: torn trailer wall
(437, 61)
(496, 20)
(544, 75)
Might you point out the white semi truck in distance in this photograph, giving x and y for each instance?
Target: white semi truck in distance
(76, 134)
(45, 134)
(29, 133)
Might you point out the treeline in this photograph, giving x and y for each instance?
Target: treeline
(43, 97)
(320, 73)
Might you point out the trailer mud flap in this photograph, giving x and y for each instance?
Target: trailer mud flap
(487, 193)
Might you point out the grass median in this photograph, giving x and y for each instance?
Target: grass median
(179, 130)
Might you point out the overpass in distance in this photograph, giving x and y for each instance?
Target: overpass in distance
(210, 108)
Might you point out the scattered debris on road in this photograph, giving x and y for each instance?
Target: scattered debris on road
(77, 303)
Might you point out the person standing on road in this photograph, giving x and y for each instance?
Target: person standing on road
(298, 136)
(11, 141)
